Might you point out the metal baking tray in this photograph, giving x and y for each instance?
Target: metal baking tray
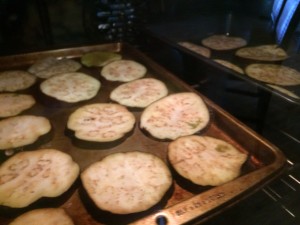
(229, 55)
(184, 203)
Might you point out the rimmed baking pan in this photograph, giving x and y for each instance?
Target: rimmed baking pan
(184, 202)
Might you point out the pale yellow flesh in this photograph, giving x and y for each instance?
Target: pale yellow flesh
(123, 70)
(50, 66)
(139, 93)
(22, 130)
(196, 48)
(263, 53)
(101, 122)
(274, 74)
(45, 216)
(175, 115)
(223, 42)
(71, 87)
(28, 176)
(205, 160)
(124, 183)
(15, 80)
(13, 104)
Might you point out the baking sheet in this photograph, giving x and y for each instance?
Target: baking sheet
(229, 55)
(184, 202)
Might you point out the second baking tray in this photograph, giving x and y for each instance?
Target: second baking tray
(185, 202)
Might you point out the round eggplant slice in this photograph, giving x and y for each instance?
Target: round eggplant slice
(101, 122)
(139, 93)
(175, 115)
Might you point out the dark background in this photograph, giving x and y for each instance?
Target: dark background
(28, 25)
(31, 25)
